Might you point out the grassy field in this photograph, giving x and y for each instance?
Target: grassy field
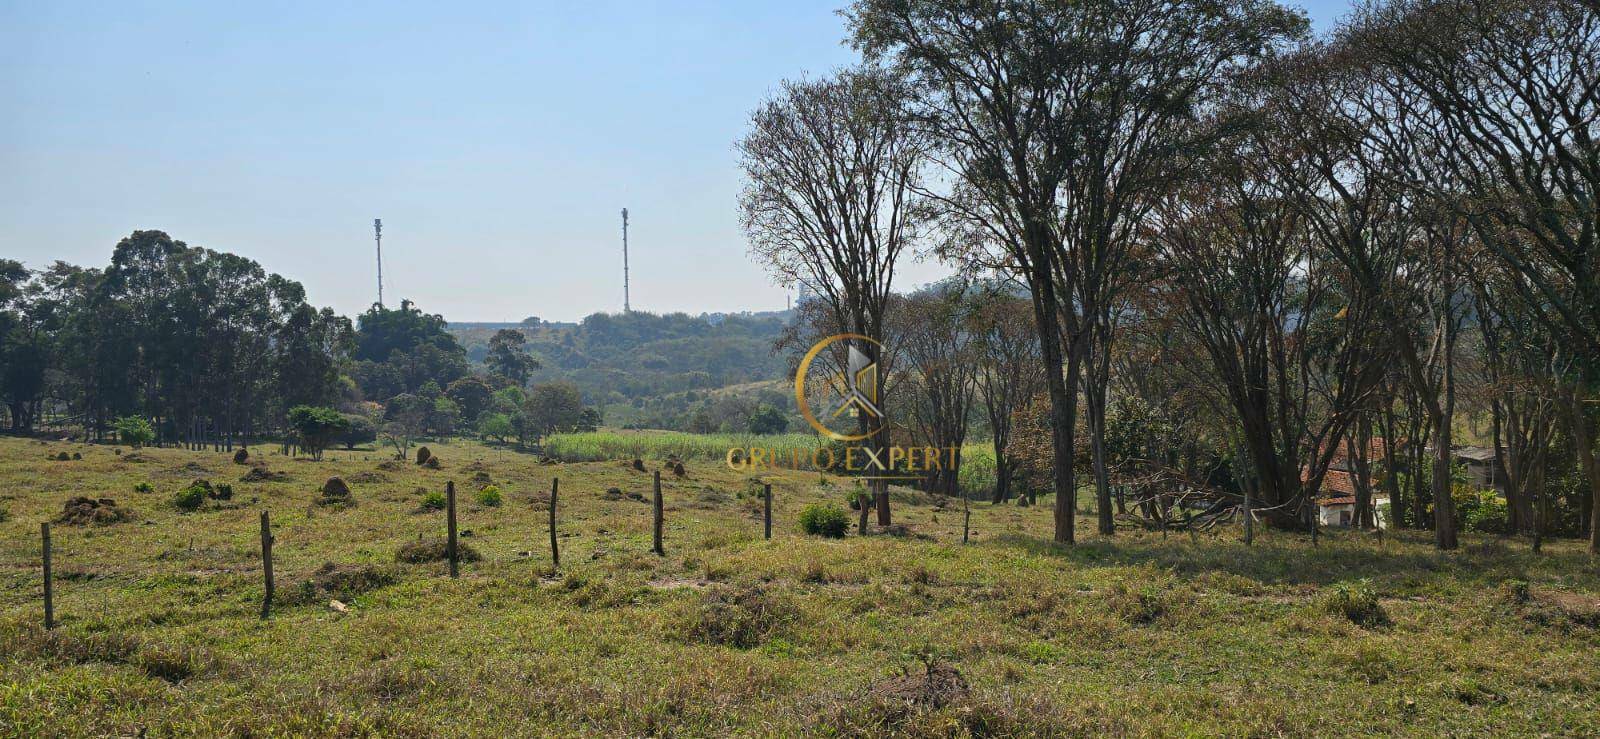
(907, 632)
(977, 470)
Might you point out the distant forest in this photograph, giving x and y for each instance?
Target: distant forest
(200, 346)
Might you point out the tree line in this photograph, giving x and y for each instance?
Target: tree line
(176, 344)
(1251, 253)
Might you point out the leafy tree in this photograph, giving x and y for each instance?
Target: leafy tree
(358, 430)
(472, 395)
(508, 358)
(553, 407)
(317, 428)
(768, 420)
(496, 426)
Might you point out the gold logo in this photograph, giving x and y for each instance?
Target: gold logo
(857, 386)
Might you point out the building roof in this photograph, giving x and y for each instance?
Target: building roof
(1343, 500)
(1475, 453)
(1376, 448)
(1338, 482)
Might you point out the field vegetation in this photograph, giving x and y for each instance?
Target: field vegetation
(905, 631)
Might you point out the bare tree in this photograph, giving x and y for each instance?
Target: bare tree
(830, 200)
(1057, 122)
(1517, 83)
(939, 348)
(1009, 373)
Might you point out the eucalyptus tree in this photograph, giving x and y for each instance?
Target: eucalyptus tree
(1057, 122)
(832, 171)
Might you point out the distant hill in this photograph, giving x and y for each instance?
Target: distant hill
(648, 369)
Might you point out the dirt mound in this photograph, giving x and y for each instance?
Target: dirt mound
(335, 492)
(368, 477)
(935, 685)
(423, 455)
(262, 474)
(391, 465)
(434, 550)
(678, 470)
(342, 582)
(482, 478)
(81, 511)
(242, 456)
(1553, 608)
(432, 463)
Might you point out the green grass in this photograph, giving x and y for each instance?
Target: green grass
(730, 634)
(595, 446)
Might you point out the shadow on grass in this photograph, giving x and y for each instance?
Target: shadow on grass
(1404, 562)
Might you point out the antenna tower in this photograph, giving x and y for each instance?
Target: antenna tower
(377, 236)
(627, 307)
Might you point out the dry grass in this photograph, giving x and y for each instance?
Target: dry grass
(731, 634)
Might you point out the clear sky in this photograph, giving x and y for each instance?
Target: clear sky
(497, 141)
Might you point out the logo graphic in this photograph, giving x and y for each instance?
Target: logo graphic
(857, 387)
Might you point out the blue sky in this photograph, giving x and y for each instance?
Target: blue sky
(498, 141)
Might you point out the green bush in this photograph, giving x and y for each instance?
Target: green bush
(1356, 601)
(143, 487)
(489, 496)
(1482, 511)
(134, 431)
(190, 498)
(433, 500)
(824, 519)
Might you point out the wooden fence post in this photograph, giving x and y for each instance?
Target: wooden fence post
(658, 549)
(766, 511)
(450, 504)
(49, 588)
(555, 549)
(266, 563)
(966, 516)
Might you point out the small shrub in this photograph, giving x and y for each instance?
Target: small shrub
(1356, 601)
(490, 497)
(143, 487)
(134, 431)
(4, 515)
(434, 550)
(190, 498)
(433, 500)
(824, 519)
(222, 491)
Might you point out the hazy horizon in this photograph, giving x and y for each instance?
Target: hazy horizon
(498, 146)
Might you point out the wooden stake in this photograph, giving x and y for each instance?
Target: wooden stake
(49, 588)
(658, 549)
(966, 520)
(766, 511)
(555, 550)
(450, 504)
(266, 563)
